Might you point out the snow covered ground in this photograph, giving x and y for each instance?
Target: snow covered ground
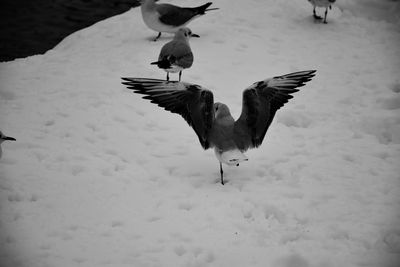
(100, 177)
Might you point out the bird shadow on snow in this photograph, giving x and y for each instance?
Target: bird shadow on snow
(166, 37)
(333, 16)
(310, 20)
(205, 174)
(162, 39)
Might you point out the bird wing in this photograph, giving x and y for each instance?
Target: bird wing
(177, 53)
(175, 15)
(185, 60)
(260, 102)
(192, 102)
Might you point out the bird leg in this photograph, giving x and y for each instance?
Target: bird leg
(180, 74)
(315, 14)
(167, 76)
(158, 36)
(326, 13)
(222, 173)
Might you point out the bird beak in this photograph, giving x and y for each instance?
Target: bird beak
(195, 35)
(9, 138)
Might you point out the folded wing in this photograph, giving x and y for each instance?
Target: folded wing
(260, 103)
(192, 102)
(176, 16)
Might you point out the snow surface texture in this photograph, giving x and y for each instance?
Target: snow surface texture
(100, 177)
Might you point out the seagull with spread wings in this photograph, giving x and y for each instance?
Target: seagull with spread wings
(212, 122)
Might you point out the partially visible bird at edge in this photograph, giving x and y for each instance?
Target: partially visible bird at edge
(5, 138)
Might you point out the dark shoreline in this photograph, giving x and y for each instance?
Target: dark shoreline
(32, 27)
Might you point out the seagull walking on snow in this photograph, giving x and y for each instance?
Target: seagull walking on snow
(212, 122)
(176, 55)
(321, 3)
(4, 138)
(169, 18)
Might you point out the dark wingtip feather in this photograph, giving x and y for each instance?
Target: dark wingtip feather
(302, 76)
(203, 8)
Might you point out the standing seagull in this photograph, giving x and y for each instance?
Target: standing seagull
(176, 55)
(212, 122)
(321, 3)
(4, 138)
(169, 18)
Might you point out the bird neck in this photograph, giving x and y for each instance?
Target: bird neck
(223, 115)
(148, 4)
(224, 120)
(181, 37)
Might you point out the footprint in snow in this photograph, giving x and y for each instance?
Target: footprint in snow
(17, 197)
(180, 251)
(390, 103)
(392, 241)
(294, 260)
(395, 88)
(271, 211)
(185, 206)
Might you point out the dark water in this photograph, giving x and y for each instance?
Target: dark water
(31, 27)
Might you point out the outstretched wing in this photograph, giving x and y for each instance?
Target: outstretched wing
(192, 102)
(260, 103)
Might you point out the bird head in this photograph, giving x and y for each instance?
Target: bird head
(186, 33)
(221, 110)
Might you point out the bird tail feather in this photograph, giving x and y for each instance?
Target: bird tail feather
(163, 64)
(201, 10)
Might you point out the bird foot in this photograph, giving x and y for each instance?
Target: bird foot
(220, 181)
(317, 17)
(158, 36)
